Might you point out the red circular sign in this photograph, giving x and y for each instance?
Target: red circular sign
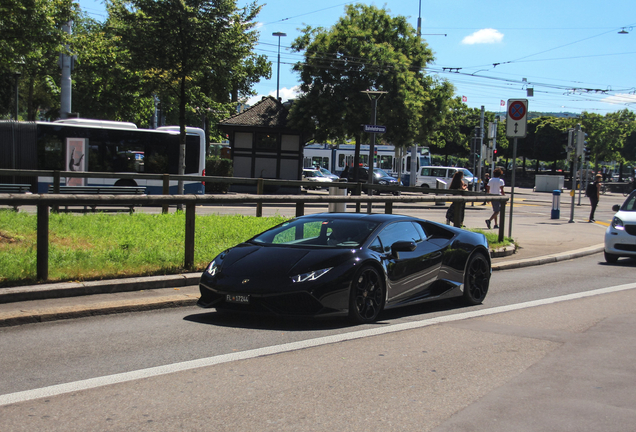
(517, 110)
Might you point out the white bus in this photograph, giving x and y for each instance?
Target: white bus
(336, 157)
(102, 146)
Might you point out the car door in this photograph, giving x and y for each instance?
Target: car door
(409, 273)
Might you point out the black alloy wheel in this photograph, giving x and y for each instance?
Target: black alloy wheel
(477, 279)
(367, 296)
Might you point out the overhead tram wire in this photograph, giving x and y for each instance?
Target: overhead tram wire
(309, 13)
(575, 88)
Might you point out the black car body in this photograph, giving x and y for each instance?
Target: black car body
(379, 177)
(347, 264)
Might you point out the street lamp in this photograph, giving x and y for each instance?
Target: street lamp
(374, 95)
(278, 35)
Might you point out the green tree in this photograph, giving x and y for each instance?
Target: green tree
(103, 87)
(31, 38)
(184, 48)
(366, 49)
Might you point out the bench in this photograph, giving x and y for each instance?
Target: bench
(100, 190)
(8, 188)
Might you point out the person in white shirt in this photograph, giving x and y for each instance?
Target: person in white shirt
(495, 187)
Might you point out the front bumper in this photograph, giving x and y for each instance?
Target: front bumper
(620, 241)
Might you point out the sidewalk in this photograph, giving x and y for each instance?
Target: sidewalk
(541, 240)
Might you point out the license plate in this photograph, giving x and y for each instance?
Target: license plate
(233, 298)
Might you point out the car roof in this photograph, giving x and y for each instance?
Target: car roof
(373, 217)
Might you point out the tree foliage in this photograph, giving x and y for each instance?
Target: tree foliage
(192, 52)
(31, 39)
(366, 49)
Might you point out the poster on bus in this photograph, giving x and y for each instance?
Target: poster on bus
(76, 160)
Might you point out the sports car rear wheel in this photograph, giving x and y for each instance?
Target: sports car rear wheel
(477, 279)
(367, 296)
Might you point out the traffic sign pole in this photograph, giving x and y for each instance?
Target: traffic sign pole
(516, 123)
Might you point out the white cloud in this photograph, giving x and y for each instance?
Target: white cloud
(284, 94)
(620, 99)
(483, 36)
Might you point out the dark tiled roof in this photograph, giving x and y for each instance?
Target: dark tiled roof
(268, 112)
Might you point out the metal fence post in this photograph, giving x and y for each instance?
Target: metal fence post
(42, 242)
(190, 217)
(259, 191)
(502, 221)
(165, 191)
(56, 188)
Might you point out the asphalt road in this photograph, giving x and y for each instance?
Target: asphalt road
(415, 379)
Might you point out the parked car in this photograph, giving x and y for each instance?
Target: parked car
(380, 177)
(620, 236)
(347, 264)
(314, 175)
(428, 176)
(329, 174)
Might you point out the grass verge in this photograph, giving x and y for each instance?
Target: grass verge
(102, 246)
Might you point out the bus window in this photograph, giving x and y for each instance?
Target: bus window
(386, 162)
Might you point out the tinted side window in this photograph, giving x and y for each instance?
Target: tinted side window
(437, 172)
(399, 231)
(426, 172)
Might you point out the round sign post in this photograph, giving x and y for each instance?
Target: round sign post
(515, 128)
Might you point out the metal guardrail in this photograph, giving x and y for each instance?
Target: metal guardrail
(260, 183)
(44, 202)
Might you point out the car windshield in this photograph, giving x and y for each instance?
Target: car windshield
(630, 203)
(320, 232)
(311, 173)
(325, 171)
(380, 173)
(467, 173)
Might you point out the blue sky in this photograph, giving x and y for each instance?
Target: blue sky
(570, 53)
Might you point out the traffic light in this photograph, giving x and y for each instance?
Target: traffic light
(586, 154)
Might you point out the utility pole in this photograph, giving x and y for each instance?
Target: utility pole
(66, 64)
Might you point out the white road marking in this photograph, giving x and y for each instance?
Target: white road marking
(91, 383)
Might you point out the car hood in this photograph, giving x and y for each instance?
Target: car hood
(626, 216)
(249, 260)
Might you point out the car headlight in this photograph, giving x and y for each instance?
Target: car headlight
(310, 276)
(212, 268)
(617, 223)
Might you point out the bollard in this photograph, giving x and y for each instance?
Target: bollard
(556, 204)
(339, 207)
(440, 184)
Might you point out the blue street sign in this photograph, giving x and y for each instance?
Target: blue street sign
(374, 129)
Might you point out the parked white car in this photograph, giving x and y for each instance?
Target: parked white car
(314, 175)
(620, 236)
(329, 174)
(428, 176)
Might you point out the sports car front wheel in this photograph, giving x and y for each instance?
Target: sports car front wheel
(477, 279)
(367, 296)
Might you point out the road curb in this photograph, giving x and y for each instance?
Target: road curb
(78, 289)
(61, 313)
(547, 259)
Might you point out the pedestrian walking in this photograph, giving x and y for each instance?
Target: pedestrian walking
(593, 192)
(495, 187)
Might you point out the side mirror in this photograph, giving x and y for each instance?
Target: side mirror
(402, 246)
(616, 207)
